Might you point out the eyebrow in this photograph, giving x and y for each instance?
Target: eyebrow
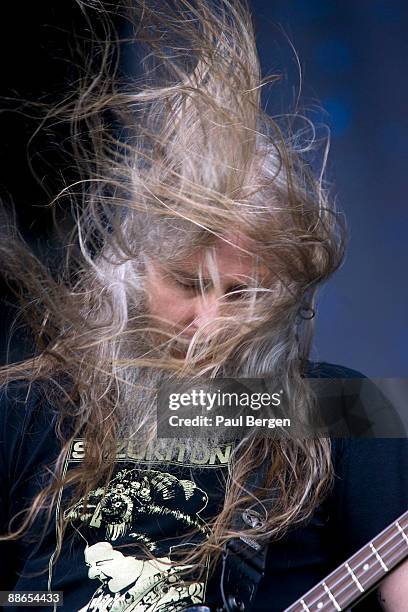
(192, 277)
(189, 276)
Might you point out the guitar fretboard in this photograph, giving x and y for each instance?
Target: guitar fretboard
(358, 574)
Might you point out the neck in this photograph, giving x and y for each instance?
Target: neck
(359, 574)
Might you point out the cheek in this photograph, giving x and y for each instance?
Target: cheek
(169, 304)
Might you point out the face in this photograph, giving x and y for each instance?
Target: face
(111, 565)
(184, 304)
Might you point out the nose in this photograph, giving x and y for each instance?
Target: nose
(205, 311)
(93, 572)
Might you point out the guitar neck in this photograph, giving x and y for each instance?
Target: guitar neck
(350, 581)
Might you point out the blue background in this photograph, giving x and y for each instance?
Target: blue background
(354, 63)
(353, 57)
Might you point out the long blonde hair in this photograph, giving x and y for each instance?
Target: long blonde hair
(197, 158)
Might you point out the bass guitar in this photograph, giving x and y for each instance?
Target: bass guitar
(351, 581)
(355, 578)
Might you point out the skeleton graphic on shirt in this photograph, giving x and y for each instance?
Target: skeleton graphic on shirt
(139, 582)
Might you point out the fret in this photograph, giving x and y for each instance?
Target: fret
(354, 577)
(396, 551)
(342, 587)
(403, 521)
(378, 557)
(391, 546)
(402, 532)
(365, 567)
(319, 600)
(332, 598)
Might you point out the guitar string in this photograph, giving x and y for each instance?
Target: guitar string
(374, 575)
(329, 602)
(347, 575)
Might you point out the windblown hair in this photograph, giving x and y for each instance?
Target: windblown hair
(176, 159)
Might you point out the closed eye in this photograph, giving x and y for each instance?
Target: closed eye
(193, 285)
(196, 285)
(236, 292)
(102, 561)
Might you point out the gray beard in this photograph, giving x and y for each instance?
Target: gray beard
(137, 408)
(137, 414)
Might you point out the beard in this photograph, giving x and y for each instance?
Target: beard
(139, 384)
(137, 409)
(139, 417)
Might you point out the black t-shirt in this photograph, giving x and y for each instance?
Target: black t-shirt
(155, 498)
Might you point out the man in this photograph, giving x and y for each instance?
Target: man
(200, 241)
(130, 584)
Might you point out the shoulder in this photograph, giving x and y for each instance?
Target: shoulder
(27, 421)
(323, 369)
(371, 486)
(356, 405)
(19, 399)
(370, 456)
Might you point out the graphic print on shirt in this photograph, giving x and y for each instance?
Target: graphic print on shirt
(132, 531)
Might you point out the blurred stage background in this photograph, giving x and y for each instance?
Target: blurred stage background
(354, 62)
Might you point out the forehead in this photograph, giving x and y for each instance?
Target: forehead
(100, 554)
